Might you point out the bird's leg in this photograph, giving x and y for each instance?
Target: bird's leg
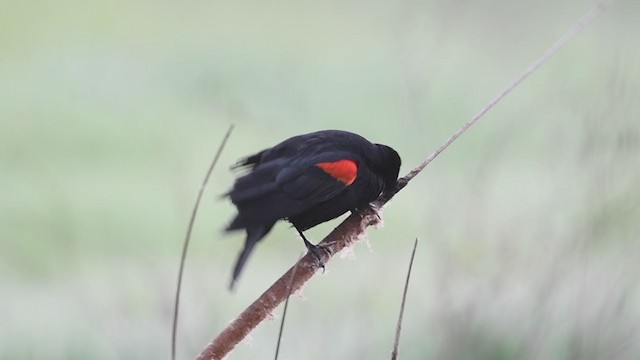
(313, 249)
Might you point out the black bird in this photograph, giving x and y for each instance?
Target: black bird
(307, 180)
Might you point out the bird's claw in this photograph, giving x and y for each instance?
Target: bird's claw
(373, 209)
(315, 252)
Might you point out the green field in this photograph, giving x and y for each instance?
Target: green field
(529, 225)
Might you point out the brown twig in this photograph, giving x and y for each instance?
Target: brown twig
(591, 15)
(354, 226)
(185, 245)
(342, 236)
(396, 343)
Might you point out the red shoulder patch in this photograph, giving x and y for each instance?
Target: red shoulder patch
(344, 171)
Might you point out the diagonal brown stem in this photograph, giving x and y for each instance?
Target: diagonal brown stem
(355, 225)
(342, 236)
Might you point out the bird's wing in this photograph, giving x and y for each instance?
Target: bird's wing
(319, 182)
(284, 189)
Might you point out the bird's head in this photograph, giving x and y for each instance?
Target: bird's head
(387, 164)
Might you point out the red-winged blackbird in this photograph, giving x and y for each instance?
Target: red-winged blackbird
(307, 180)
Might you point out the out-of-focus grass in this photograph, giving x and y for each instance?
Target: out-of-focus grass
(529, 224)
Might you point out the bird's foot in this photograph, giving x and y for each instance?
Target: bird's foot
(373, 209)
(315, 252)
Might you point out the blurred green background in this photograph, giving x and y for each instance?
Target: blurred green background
(529, 224)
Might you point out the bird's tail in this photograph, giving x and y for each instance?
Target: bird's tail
(254, 234)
